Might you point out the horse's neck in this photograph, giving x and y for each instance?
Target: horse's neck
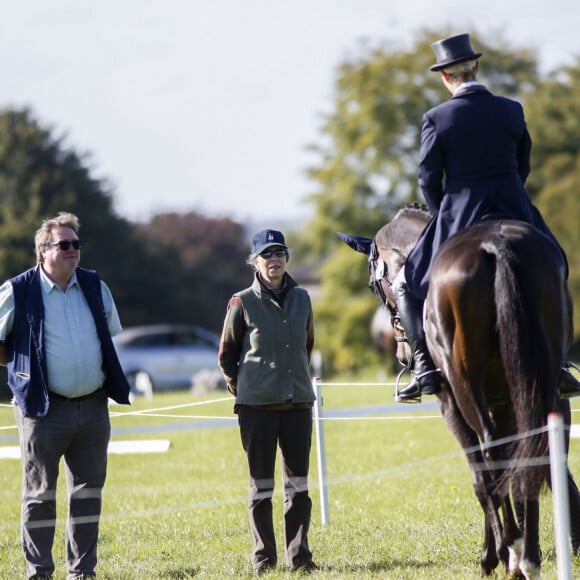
(407, 229)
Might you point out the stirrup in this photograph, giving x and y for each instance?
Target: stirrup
(412, 400)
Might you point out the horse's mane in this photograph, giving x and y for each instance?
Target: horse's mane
(391, 236)
(413, 208)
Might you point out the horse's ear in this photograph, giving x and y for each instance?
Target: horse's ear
(357, 243)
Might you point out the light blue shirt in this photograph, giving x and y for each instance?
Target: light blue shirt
(74, 358)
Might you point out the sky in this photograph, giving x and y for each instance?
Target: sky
(209, 106)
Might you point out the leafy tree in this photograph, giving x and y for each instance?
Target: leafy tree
(40, 176)
(367, 168)
(207, 257)
(31, 170)
(553, 111)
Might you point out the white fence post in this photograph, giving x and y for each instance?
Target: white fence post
(320, 451)
(558, 471)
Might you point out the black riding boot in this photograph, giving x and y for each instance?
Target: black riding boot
(426, 378)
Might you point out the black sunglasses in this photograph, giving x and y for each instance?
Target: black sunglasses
(64, 245)
(277, 253)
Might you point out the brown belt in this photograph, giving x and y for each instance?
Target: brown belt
(76, 399)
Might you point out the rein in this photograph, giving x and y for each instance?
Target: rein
(378, 276)
(378, 281)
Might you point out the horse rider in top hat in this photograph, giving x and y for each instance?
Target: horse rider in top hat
(474, 161)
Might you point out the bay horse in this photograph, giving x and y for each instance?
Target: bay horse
(498, 325)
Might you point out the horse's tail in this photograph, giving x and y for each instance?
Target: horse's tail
(532, 384)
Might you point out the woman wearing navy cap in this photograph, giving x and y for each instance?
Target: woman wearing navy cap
(264, 354)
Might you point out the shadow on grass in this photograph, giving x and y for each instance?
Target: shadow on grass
(383, 566)
(389, 565)
(183, 574)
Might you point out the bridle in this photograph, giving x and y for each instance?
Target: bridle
(379, 283)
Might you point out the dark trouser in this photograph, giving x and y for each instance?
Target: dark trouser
(426, 378)
(261, 432)
(79, 431)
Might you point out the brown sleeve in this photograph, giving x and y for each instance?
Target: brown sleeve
(231, 342)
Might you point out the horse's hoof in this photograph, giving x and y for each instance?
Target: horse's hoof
(515, 575)
(530, 570)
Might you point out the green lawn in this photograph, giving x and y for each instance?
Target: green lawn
(400, 497)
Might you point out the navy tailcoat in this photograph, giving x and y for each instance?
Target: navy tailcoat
(475, 158)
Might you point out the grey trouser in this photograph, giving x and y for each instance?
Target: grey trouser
(261, 432)
(78, 430)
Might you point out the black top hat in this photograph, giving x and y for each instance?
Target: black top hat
(453, 50)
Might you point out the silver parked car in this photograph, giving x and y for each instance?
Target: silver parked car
(165, 357)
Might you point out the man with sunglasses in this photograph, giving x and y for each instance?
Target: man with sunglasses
(56, 323)
(264, 354)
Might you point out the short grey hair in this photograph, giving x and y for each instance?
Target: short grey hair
(42, 237)
(460, 67)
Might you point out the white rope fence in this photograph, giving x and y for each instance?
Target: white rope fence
(555, 429)
(558, 470)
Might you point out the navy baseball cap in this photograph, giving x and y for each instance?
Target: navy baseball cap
(266, 238)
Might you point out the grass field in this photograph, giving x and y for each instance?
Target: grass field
(400, 496)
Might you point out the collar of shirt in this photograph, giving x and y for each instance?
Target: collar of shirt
(466, 85)
(47, 284)
(71, 343)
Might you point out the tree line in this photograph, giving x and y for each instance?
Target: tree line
(172, 267)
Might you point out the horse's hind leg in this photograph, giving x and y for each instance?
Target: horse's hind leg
(531, 561)
(494, 549)
(512, 538)
(491, 554)
(489, 559)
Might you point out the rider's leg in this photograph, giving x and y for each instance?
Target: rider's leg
(426, 378)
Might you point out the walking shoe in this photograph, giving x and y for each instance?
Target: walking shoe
(264, 568)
